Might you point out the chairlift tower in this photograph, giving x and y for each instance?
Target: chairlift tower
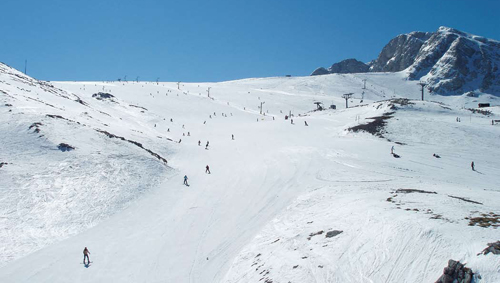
(422, 84)
(261, 103)
(346, 97)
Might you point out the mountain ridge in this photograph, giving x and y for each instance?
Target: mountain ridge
(450, 61)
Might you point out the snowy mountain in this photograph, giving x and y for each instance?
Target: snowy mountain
(101, 165)
(452, 62)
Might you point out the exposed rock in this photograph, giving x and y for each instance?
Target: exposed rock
(493, 248)
(103, 95)
(320, 71)
(400, 52)
(456, 272)
(343, 67)
(65, 147)
(333, 233)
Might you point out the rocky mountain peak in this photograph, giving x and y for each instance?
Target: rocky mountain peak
(450, 61)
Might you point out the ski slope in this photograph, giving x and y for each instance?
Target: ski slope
(269, 188)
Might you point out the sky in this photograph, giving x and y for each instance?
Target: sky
(208, 41)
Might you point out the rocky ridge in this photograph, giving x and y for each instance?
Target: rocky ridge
(450, 61)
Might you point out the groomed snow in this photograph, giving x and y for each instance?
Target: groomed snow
(269, 188)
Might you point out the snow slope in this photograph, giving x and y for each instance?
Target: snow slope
(274, 181)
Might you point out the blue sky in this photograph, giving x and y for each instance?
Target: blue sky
(216, 40)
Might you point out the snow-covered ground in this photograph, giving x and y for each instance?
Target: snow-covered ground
(258, 216)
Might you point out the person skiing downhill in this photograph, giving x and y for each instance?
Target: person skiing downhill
(186, 180)
(207, 169)
(86, 255)
(472, 166)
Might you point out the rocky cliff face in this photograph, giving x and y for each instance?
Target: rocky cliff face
(450, 61)
(400, 52)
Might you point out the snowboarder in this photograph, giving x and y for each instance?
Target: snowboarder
(472, 166)
(207, 169)
(86, 255)
(305, 122)
(186, 180)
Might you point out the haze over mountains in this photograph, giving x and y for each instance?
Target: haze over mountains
(450, 61)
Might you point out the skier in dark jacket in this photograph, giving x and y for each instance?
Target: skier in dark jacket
(86, 255)
(186, 180)
(472, 166)
(207, 169)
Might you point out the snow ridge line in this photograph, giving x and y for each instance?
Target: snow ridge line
(110, 135)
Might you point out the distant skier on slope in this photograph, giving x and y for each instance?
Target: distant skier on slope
(86, 255)
(206, 146)
(186, 180)
(199, 143)
(305, 122)
(207, 169)
(472, 166)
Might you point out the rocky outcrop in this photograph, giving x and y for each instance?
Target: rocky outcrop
(456, 272)
(452, 62)
(344, 67)
(320, 71)
(349, 66)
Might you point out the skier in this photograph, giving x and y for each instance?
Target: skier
(472, 166)
(86, 255)
(206, 146)
(305, 122)
(189, 134)
(171, 120)
(207, 169)
(180, 140)
(392, 150)
(199, 143)
(291, 121)
(168, 130)
(232, 137)
(186, 180)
